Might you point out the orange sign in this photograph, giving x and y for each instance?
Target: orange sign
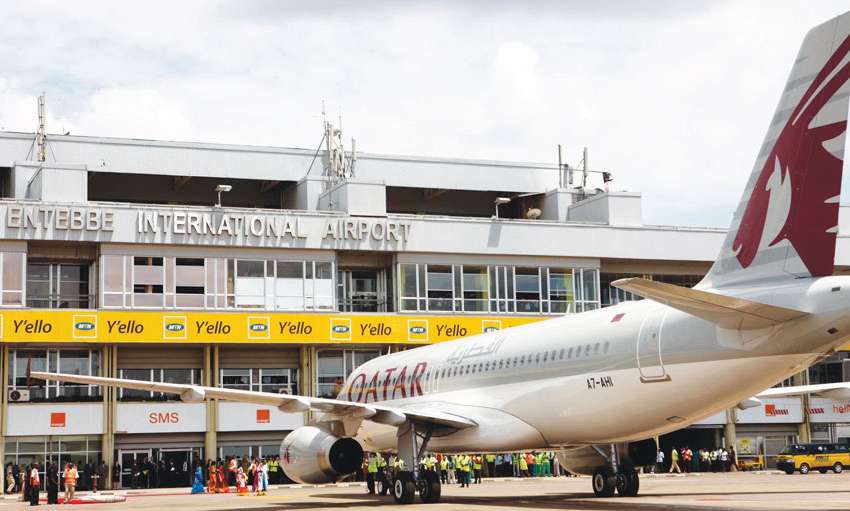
(263, 416)
(57, 419)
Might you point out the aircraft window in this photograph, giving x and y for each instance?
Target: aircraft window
(537, 358)
(487, 366)
(596, 349)
(607, 345)
(516, 359)
(553, 354)
(562, 353)
(587, 350)
(501, 363)
(480, 367)
(522, 360)
(570, 353)
(546, 356)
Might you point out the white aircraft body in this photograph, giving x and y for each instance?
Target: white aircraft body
(598, 386)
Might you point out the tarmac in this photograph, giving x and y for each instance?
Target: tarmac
(766, 490)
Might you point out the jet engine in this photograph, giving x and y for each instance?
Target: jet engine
(584, 460)
(310, 455)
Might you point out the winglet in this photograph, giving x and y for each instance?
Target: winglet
(726, 311)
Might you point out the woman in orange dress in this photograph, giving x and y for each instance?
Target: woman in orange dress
(241, 482)
(213, 478)
(222, 487)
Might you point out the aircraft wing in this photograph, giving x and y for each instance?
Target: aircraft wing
(333, 408)
(726, 311)
(839, 390)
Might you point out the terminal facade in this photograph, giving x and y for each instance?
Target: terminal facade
(262, 268)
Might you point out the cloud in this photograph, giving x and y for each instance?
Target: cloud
(672, 97)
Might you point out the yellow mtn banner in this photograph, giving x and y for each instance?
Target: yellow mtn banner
(81, 326)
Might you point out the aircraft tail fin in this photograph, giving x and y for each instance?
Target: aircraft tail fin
(726, 311)
(785, 225)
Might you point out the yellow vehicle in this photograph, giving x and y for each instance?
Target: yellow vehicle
(807, 457)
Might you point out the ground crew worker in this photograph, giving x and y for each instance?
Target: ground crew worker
(371, 471)
(464, 462)
(476, 467)
(523, 465)
(547, 464)
(444, 469)
(430, 463)
(274, 465)
(491, 465)
(674, 461)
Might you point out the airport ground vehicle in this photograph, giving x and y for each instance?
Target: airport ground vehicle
(804, 458)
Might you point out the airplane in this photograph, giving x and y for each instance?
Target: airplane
(599, 386)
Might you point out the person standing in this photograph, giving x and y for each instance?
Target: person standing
(371, 473)
(10, 479)
(674, 461)
(686, 459)
(34, 484)
(198, 479)
(724, 460)
(70, 477)
(212, 482)
(116, 475)
(51, 473)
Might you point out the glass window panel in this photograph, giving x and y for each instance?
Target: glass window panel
(589, 280)
(290, 270)
(236, 379)
(135, 374)
(475, 278)
(439, 278)
(250, 268)
(407, 276)
(13, 271)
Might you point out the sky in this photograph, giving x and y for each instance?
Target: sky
(672, 97)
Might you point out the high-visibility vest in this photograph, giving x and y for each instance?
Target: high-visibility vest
(490, 458)
(464, 463)
(373, 465)
(476, 462)
(381, 462)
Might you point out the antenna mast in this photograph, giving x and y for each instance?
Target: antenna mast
(40, 135)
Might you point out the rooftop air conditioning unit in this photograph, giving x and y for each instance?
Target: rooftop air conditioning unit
(19, 396)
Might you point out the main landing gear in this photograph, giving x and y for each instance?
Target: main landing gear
(615, 476)
(407, 483)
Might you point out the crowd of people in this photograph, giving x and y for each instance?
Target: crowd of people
(220, 475)
(29, 480)
(685, 459)
(464, 469)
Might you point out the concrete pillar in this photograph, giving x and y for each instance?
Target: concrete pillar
(4, 402)
(804, 430)
(211, 364)
(109, 369)
(730, 437)
(308, 374)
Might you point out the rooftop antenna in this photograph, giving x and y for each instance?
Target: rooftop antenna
(40, 135)
(584, 169)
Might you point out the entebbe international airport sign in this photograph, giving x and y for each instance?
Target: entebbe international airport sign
(57, 326)
(30, 221)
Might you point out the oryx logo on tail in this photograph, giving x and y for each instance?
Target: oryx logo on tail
(802, 165)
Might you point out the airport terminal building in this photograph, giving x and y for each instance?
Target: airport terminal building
(280, 270)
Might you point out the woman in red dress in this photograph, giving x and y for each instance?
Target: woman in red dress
(213, 478)
(222, 487)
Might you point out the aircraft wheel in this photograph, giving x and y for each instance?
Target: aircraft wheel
(603, 482)
(628, 483)
(382, 487)
(430, 489)
(404, 490)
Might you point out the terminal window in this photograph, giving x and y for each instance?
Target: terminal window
(58, 285)
(82, 362)
(496, 289)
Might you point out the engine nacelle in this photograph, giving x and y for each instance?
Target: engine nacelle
(310, 455)
(584, 460)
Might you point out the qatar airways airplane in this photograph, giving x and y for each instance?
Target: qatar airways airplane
(598, 386)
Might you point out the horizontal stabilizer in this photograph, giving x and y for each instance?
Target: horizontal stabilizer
(726, 311)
